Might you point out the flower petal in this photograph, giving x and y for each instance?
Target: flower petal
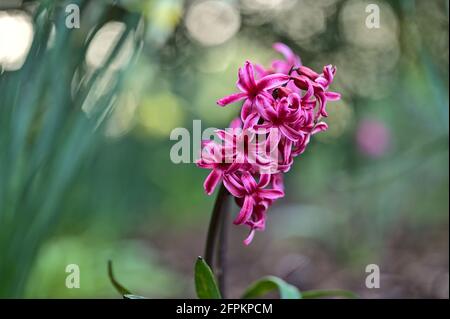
(250, 73)
(247, 109)
(260, 70)
(283, 108)
(251, 120)
(277, 181)
(246, 211)
(289, 132)
(271, 81)
(233, 186)
(264, 180)
(304, 70)
(211, 181)
(265, 108)
(241, 82)
(248, 182)
(271, 193)
(236, 123)
(320, 127)
(249, 238)
(231, 98)
(333, 96)
(288, 54)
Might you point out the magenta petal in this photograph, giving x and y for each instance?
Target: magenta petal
(283, 108)
(227, 135)
(265, 109)
(308, 72)
(322, 105)
(262, 128)
(251, 120)
(332, 96)
(246, 211)
(250, 74)
(322, 82)
(284, 50)
(295, 99)
(236, 123)
(273, 139)
(260, 71)
(246, 110)
(233, 168)
(242, 82)
(289, 132)
(211, 181)
(320, 127)
(329, 71)
(233, 186)
(277, 182)
(231, 98)
(271, 81)
(264, 180)
(220, 134)
(280, 66)
(248, 182)
(271, 193)
(287, 150)
(249, 238)
(288, 54)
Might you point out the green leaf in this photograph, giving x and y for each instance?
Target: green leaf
(121, 289)
(311, 294)
(205, 282)
(270, 283)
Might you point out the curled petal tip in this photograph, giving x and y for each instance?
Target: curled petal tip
(249, 238)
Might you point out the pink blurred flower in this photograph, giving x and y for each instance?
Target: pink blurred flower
(373, 138)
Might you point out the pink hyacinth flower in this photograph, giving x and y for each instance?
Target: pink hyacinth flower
(251, 88)
(278, 115)
(257, 220)
(283, 106)
(213, 157)
(245, 186)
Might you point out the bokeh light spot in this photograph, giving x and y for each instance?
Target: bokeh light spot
(104, 42)
(212, 22)
(160, 114)
(16, 35)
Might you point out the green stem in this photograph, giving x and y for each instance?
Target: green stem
(217, 228)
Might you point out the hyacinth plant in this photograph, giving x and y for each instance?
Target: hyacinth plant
(283, 106)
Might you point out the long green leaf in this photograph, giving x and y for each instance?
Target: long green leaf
(270, 283)
(126, 294)
(205, 282)
(311, 294)
(121, 289)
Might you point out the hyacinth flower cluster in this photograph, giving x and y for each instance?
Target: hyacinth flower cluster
(283, 106)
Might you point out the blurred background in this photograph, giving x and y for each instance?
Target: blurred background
(85, 119)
